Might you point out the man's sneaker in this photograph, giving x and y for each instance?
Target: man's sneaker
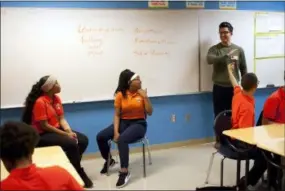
(104, 169)
(124, 178)
(87, 182)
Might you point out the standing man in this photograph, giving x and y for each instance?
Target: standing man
(219, 56)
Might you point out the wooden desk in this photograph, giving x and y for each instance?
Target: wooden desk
(275, 146)
(54, 153)
(253, 135)
(270, 138)
(49, 156)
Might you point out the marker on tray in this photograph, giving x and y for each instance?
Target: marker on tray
(270, 85)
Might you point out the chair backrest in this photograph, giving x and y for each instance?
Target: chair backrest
(259, 121)
(222, 122)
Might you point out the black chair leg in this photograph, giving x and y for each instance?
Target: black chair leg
(222, 172)
(268, 176)
(246, 171)
(144, 167)
(238, 174)
(262, 179)
(279, 180)
(109, 157)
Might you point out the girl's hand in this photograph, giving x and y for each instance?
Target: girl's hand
(143, 93)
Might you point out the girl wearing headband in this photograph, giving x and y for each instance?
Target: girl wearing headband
(44, 111)
(131, 106)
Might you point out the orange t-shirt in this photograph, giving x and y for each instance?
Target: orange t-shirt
(274, 107)
(132, 107)
(48, 109)
(242, 110)
(34, 178)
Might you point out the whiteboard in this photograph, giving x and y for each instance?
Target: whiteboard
(270, 71)
(269, 48)
(269, 22)
(87, 49)
(274, 41)
(243, 36)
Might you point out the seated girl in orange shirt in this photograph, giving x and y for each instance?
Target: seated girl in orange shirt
(131, 106)
(44, 111)
(18, 141)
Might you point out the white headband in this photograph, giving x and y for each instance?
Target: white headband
(48, 85)
(133, 77)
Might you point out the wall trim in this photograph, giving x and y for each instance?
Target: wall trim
(156, 147)
(275, 6)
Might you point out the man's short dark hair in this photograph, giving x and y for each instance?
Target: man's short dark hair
(226, 25)
(18, 140)
(249, 81)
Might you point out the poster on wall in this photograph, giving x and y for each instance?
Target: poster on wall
(195, 4)
(228, 5)
(158, 4)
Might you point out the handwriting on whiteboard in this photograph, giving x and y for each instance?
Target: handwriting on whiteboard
(85, 29)
(147, 41)
(95, 52)
(90, 39)
(156, 45)
(85, 39)
(93, 44)
(152, 41)
(146, 30)
(150, 53)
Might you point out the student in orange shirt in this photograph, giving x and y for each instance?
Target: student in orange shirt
(131, 106)
(18, 141)
(243, 116)
(44, 111)
(274, 112)
(274, 107)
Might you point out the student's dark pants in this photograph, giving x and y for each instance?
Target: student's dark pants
(130, 132)
(72, 149)
(259, 166)
(222, 98)
(275, 174)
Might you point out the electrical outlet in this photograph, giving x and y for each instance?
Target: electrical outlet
(187, 117)
(173, 118)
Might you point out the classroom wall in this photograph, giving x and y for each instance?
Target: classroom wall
(90, 118)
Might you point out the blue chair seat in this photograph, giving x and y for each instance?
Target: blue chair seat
(144, 142)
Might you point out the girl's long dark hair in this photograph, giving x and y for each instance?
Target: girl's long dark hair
(123, 84)
(34, 94)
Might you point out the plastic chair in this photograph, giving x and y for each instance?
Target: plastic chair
(225, 148)
(144, 141)
(280, 168)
